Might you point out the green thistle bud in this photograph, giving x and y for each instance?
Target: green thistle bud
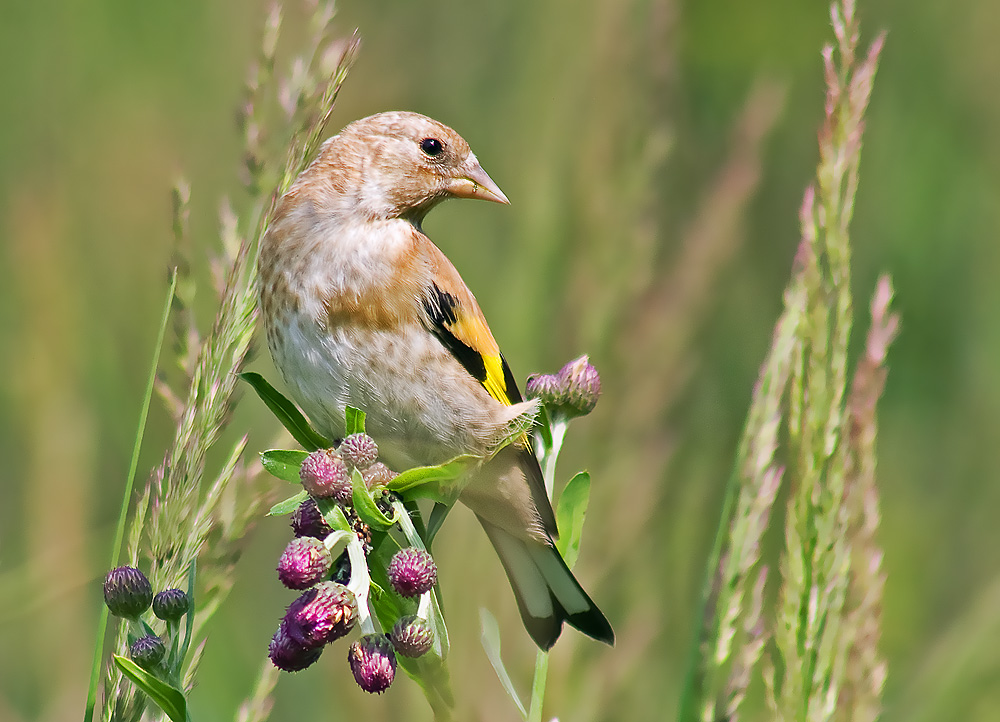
(412, 636)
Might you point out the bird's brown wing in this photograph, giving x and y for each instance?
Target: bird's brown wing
(454, 317)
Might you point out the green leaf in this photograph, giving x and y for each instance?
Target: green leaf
(287, 412)
(570, 513)
(366, 507)
(423, 475)
(284, 463)
(334, 515)
(490, 638)
(354, 421)
(169, 699)
(438, 514)
(288, 505)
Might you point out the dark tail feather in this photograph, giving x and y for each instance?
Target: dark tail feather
(547, 593)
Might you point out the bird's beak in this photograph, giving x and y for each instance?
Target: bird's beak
(472, 182)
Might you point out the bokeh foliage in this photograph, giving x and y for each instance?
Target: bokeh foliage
(655, 154)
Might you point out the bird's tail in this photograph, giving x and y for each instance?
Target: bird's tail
(547, 593)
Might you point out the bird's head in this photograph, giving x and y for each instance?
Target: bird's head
(400, 164)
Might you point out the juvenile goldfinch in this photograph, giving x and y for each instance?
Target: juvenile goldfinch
(361, 309)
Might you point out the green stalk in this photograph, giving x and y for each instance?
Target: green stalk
(116, 546)
(694, 678)
(538, 686)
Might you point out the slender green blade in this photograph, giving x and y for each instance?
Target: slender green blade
(102, 624)
(491, 643)
(169, 699)
(438, 514)
(288, 505)
(570, 514)
(287, 412)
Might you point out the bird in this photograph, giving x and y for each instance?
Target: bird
(361, 309)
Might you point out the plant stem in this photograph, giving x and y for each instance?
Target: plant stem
(538, 686)
(116, 545)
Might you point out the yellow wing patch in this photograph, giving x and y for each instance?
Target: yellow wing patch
(470, 341)
(494, 382)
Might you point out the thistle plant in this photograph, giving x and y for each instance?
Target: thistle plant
(373, 523)
(184, 504)
(375, 530)
(806, 428)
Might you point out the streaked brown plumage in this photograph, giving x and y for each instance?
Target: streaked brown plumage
(361, 309)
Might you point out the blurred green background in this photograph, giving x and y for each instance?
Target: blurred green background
(655, 154)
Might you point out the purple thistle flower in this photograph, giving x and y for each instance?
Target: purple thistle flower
(378, 474)
(545, 387)
(583, 386)
(308, 521)
(320, 615)
(571, 392)
(289, 655)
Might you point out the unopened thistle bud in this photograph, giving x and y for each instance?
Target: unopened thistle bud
(583, 386)
(289, 655)
(571, 392)
(127, 592)
(304, 562)
(547, 388)
(325, 475)
(147, 651)
(307, 520)
(412, 636)
(412, 572)
(320, 615)
(171, 604)
(373, 662)
(378, 474)
(359, 450)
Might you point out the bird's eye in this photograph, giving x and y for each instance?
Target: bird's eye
(431, 146)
